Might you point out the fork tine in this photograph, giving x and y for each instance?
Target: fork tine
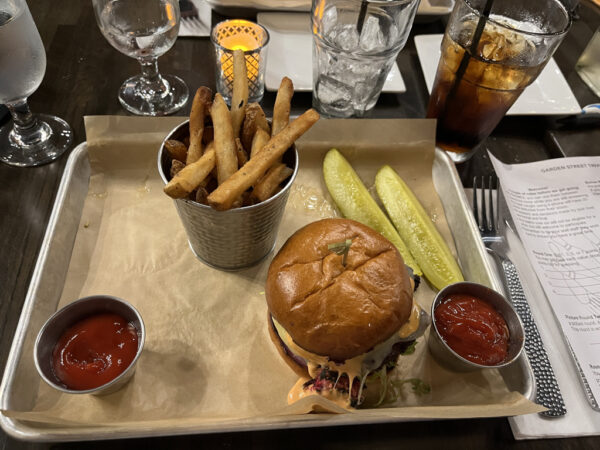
(499, 203)
(491, 201)
(191, 23)
(196, 23)
(475, 207)
(484, 222)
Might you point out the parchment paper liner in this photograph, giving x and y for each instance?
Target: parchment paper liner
(208, 357)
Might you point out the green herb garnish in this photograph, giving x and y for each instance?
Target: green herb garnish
(391, 389)
(419, 387)
(341, 248)
(410, 349)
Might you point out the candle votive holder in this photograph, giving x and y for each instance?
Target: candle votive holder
(252, 39)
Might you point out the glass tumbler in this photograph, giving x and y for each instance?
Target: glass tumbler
(355, 44)
(238, 34)
(491, 51)
(145, 30)
(29, 139)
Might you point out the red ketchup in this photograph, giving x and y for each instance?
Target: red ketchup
(473, 329)
(94, 351)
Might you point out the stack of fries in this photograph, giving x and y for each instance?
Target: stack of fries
(233, 158)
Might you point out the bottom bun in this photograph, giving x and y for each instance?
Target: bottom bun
(300, 370)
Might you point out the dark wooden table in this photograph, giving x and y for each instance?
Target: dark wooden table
(82, 78)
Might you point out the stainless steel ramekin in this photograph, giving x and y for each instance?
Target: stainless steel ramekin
(448, 357)
(72, 313)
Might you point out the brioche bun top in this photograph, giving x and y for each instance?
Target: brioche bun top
(335, 310)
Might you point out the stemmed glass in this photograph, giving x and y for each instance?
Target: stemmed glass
(144, 29)
(32, 139)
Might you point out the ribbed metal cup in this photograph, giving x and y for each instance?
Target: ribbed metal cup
(233, 239)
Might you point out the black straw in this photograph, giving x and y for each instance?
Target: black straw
(481, 25)
(462, 68)
(364, 5)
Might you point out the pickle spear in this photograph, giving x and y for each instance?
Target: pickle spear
(416, 229)
(355, 202)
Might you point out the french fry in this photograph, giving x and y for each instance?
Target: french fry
(238, 202)
(283, 104)
(242, 156)
(254, 118)
(176, 150)
(248, 200)
(176, 167)
(239, 97)
(201, 195)
(268, 184)
(260, 139)
(201, 100)
(232, 188)
(208, 135)
(224, 139)
(209, 178)
(211, 183)
(190, 177)
(261, 119)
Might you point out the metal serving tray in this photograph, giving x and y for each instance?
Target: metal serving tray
(51, 270)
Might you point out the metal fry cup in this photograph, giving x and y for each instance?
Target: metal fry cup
(236, 238)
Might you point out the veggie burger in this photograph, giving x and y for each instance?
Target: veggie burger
(340, 309)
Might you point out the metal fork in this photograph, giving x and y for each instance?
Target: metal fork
(491, 228)
(193, 24)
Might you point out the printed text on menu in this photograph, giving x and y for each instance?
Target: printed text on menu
(555, 205)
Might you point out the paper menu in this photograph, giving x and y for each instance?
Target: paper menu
(555, 205)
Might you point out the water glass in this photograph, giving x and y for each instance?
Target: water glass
(489, 56)
(237, 34)
(30, 139)
(355, 44)
(145, 30)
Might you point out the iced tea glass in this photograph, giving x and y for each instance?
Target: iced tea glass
(479, 79)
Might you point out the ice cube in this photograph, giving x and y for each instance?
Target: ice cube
(372, 38)
(362, 92)
(346, 37)
(329, 20)
(502, 45)
(333, 92)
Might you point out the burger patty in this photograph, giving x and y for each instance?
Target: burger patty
(329, 379)
(297, 359)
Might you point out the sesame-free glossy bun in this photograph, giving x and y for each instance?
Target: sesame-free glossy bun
(335, 310)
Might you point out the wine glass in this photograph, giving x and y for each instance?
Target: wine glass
(31, 139)
(144, 29)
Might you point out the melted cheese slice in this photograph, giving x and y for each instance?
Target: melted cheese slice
(358, 367)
